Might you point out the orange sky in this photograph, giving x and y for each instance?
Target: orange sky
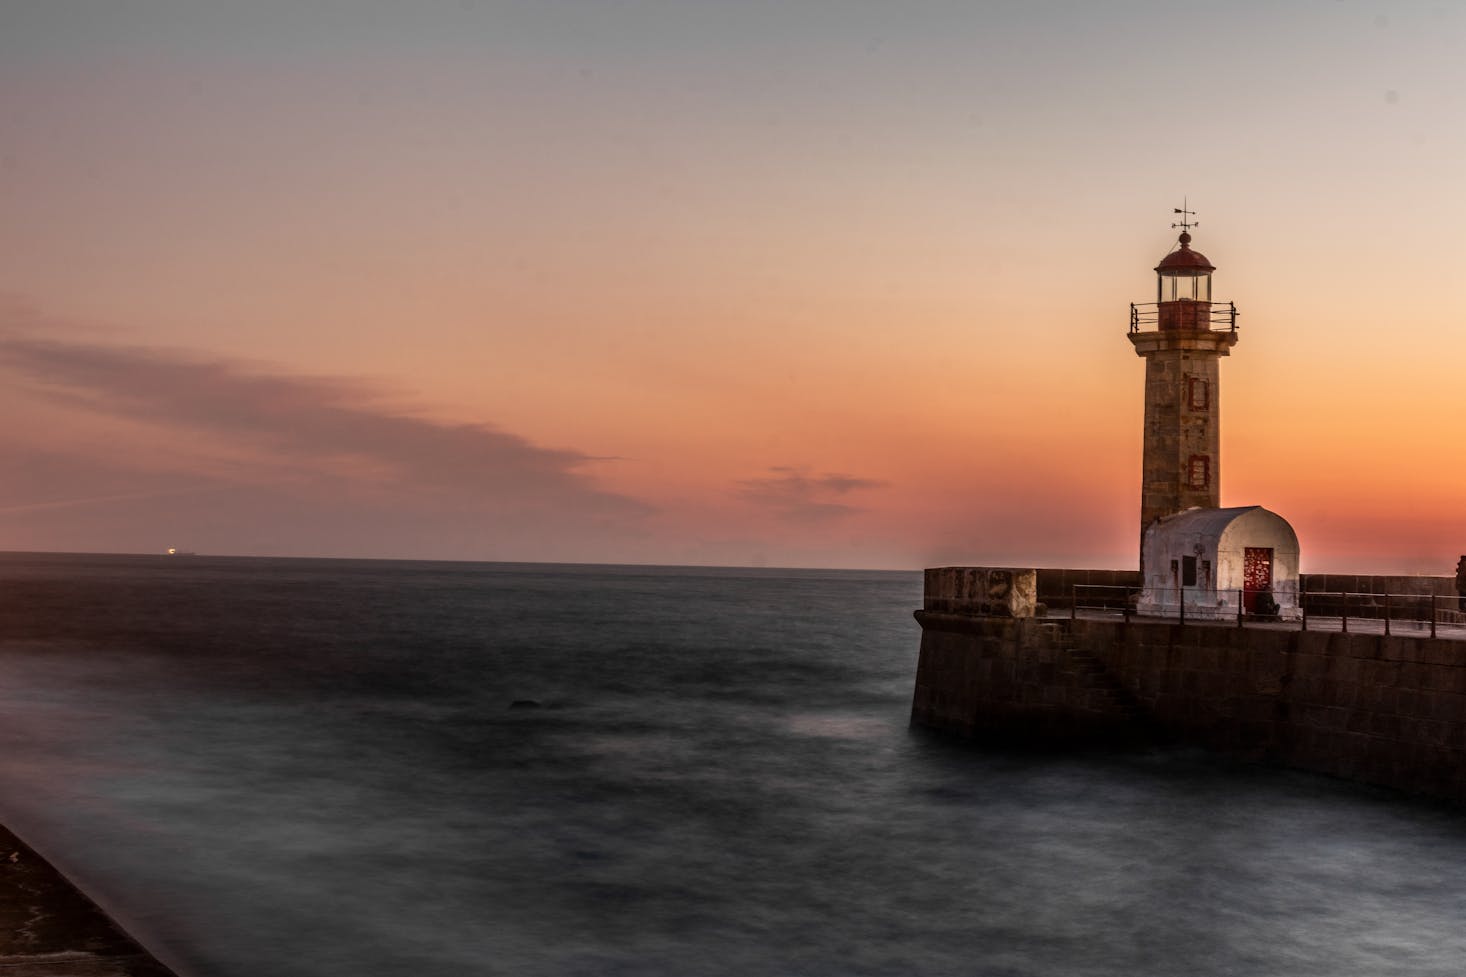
(717, 283)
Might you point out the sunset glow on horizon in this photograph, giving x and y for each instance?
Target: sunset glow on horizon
(795, 284)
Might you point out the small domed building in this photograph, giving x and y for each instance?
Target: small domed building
(1219, 562)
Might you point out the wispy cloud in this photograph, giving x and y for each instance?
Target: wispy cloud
(792, 494)
(315, 451)
(301, 418)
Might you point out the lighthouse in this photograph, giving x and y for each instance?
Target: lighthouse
(1213, 562)
(1183, 337)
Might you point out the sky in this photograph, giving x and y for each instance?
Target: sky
(795, 283)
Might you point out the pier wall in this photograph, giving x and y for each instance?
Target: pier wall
(1386, 710)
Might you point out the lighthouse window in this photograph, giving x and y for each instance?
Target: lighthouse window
(1192, 287)
(1198, 393)
(1199, 472)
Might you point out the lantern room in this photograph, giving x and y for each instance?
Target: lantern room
(1184, 275)
(1183, 288)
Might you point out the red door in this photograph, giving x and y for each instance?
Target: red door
(1257, 575)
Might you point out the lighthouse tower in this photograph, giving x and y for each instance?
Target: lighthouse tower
(1183, 337)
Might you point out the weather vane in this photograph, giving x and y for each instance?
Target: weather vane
(1184, 223)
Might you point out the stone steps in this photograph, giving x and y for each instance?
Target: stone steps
(1108, 693)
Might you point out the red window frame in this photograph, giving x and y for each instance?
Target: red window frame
(1198, 472)
(1198, 394)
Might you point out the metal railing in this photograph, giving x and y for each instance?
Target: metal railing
(1221, 317)
(1394, 610)
(1315, 610)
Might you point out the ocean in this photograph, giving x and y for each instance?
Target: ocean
(320, 768)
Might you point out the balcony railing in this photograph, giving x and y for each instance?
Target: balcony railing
(1221, 317)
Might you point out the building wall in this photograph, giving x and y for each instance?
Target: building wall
(1269, 530)
(1382, 710)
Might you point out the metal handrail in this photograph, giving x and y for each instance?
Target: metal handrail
(1222, 316)
(1392, 609)
(1383, 606)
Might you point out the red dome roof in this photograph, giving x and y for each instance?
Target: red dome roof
(1184, 261)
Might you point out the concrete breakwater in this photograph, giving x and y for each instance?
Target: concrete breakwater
(1381, 709)
(48, 928)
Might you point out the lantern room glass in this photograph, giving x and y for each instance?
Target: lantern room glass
(1173, 288)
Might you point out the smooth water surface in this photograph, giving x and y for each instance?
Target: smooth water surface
(302, 767)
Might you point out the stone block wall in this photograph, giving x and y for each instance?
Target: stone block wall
(1411, 595)
(1382, 710)
(971, 682)
(1098, 588)
(1002, 591)
(1357, 583)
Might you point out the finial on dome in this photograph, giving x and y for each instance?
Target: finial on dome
(1182, 260)
(1185, 223)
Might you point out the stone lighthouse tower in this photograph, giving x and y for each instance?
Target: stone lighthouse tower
(1183, 337)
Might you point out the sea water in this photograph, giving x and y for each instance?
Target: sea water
(304, 768)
